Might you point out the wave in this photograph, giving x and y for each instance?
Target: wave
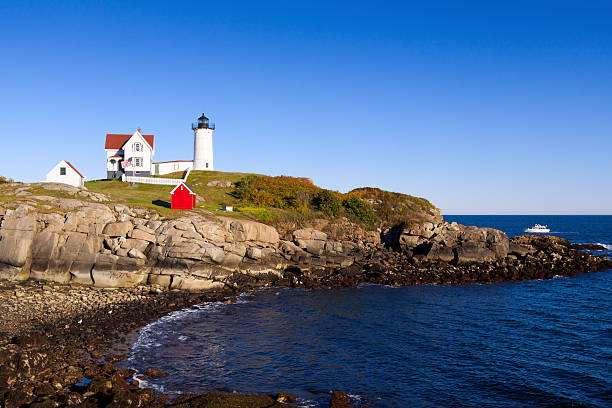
(149, 335)
(607, 246)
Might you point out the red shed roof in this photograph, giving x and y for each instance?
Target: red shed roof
(73, 168)
(182, 183)
(116, 141)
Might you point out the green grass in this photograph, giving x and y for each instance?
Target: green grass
(157, 197)
(279, 201)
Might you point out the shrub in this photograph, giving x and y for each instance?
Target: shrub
(283, 192)
(244, 188)
(360, 210)
(328, 202)
(4, 180)
(396, 208)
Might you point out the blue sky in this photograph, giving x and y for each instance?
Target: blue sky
(481, 107)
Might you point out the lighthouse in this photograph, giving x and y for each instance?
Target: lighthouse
(203, 144)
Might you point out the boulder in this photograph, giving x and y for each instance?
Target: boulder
(104, 278)
(139, 244)
(309, 234)
(211, 230)
(160, 280)
(43, 246)
(340, 399)
(194, 284)
(473, 252)
(118, 229)
(520, 250)
(333, 247)
(231, 260)
(237, 249)
(441, 252)
(113, 243)
(191, 235)
(135, 253)
(312, 246)
(13, 273)
(16, 238)
(141, 234)
(254, 253)
(219, 183)
(244, 230)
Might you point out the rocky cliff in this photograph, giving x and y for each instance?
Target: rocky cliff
(111, 245)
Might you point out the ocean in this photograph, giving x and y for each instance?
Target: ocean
(516, 344)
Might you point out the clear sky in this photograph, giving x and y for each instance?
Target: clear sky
(481, 107)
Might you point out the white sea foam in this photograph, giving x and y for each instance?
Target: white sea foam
(303, 403)
(150, 335)
(355, 397)
(607, 246)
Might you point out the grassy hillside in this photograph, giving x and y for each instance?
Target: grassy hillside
(157, 197)
(274, 200)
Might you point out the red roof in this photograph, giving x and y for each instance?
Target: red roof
(182, 183)
(116, 157)
(116, 141)
(73, 168)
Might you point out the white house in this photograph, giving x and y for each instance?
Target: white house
(171, 166)
(132, 155)
(66, 173)
(129, 154)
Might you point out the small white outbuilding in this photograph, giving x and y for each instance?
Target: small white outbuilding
(66, 173)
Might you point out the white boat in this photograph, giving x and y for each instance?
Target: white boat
(538, 229)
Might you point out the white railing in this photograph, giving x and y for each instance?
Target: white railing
(155, 180)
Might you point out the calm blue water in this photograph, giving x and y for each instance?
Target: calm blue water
(535, 344)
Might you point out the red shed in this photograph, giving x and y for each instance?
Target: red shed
(182, 197)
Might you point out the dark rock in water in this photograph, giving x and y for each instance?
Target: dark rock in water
(133, 398)
(152, 372)
(340, 399)
(589, 247)
(100, 385)
(214, 400)
(285, 397)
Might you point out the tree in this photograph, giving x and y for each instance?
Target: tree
(328, 202)
(360, 210)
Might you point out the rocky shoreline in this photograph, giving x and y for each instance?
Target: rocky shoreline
(77, 274)
(54, 335)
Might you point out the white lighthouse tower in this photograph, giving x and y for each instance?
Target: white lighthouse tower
(203, 144)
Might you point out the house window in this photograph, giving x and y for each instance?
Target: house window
(176, 166)
(137, 161)
(137, 147)
(62, 171)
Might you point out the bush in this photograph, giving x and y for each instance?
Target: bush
(328, 202)
(360, 210)
(395, 208)
(4, 180)
(244, 188)
(289, 193)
